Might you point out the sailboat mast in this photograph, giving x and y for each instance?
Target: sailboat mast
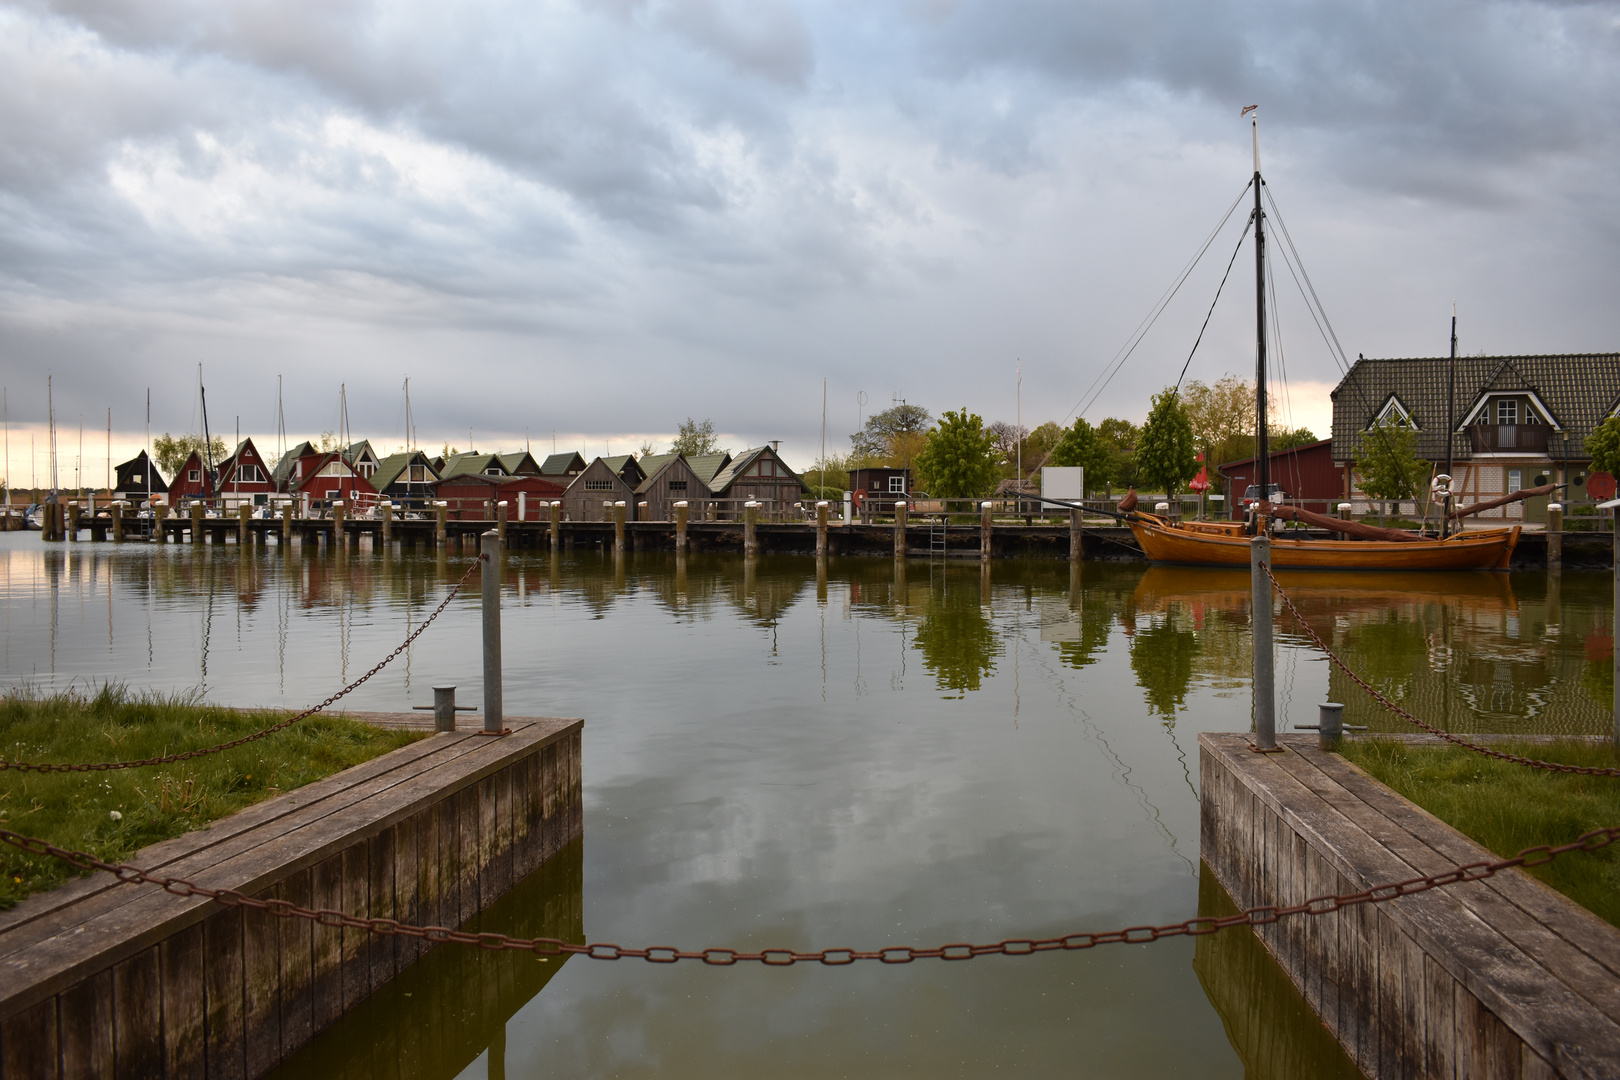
(1451, 391)
(1262, 456)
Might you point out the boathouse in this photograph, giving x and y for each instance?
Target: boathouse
(470, 495)
(879, 482)
(761, 475)
(670, 479)
(323, 478)
(1308, 474)
(363, 458)
(132, 479)
(245, 478)
(605, 480)
(1514, 421)
(408, 479)
(191, 481)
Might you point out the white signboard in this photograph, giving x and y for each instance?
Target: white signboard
(1065, 482)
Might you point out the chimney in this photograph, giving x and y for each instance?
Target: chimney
(776, 446)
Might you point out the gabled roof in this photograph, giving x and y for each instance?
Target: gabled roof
(457, 464)
(626, 467)
(564, 464)
(521, 463)
(284, 468)
(322, 460)
(354, 451)
(707, 465)
(1578, 389)
(389, 468)
(652, 465)
(739, 465)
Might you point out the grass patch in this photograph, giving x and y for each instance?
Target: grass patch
(1508, 807)
(77, 810)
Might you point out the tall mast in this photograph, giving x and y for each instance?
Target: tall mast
(207, 456)
(1451, 390)
(1262, 456)
(148, 453)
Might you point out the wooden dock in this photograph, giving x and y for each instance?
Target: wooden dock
(923, 538)
(1497, 978)
(105, 979)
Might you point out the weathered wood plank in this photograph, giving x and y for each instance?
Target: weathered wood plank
(223, 977)
(85, 1014)
(468, 821)
(297, 967)
(551, 825)
(326, 973)
(498, 873)
(261, 984)
(138, 1015)
(379, 949)
(28, 1043)
(184, 1004)
(355, 961)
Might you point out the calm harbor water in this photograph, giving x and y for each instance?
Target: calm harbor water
(856, 755)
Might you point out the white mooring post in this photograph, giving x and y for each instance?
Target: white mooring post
(490, 574)
(1265, 720)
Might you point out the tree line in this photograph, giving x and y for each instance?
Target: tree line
(958, 455)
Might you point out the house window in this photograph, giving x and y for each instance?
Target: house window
(1507, 412)
(418, 474)
(765, 468)
(334, 469)
(194, 475)
(250, 474)
(877, 484)
(493, 470)
(677, 487)
(897, 483)
(598, 485)
(1515, 480)
(367, 468)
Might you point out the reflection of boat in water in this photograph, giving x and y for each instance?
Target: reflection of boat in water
(1168, 542)
(1343, 591)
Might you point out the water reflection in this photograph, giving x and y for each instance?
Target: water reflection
(801, 752)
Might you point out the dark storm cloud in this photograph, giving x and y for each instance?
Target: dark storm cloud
(882, 193)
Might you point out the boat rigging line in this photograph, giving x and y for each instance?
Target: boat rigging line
(1094, 391)
(1212, 303)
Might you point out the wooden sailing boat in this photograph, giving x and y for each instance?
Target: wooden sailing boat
(1227, 544)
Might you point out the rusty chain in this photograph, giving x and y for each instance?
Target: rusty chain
(1501, 755)
(109, 766)
(1263, 915)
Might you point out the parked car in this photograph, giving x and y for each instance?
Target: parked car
(1251, 495)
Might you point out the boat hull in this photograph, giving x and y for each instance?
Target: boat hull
(1484, 550)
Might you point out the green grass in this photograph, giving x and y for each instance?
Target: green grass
(112, 814)
(1508, 807)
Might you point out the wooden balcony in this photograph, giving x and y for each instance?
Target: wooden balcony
(1509, 438)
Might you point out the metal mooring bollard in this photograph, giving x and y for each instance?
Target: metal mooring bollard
(1330, 726)
(490, 573)
(444, 708)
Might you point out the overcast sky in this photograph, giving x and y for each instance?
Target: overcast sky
(599, 219)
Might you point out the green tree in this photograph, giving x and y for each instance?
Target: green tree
(1120, 437)
(1222, 418)
(1389, 467)
(893, 437)
(696, 438)
(1083, 445)
(1167, 452)
(958, 643)
(1604, 447)
(170, 451)
(959, 459)
(1289, 440)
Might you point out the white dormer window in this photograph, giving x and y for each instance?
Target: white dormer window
(1395, 413)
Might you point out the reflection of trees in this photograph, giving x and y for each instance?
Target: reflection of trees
(1162, 657)
(956, 639)
(1389, 647)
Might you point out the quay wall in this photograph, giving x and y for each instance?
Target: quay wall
(1495, 978)
(108, 979)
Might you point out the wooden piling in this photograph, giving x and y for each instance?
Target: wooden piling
(821, 529)
(244, 531)
(196, 523)
(556, 524)
(618, 527)
(680, 527)
(160, 514)
(441, 524)
(984, 530)
(73, 522)
(118, 520)
(500, 521)
(1077, 535)
(1555, 536)
(337, 524)
(900, 529)
(387, 525)
(750, 528)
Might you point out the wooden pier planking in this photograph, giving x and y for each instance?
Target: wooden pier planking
(1503, 977)
(171, 986)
